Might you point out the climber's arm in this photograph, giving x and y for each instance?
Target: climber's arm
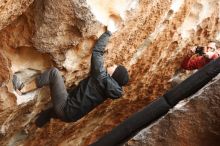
(97, 68)
(97, 60)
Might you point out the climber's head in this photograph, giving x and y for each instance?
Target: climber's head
(119, 73)
(211, 46)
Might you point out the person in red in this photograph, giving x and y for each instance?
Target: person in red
(195, 61)
(202, 56)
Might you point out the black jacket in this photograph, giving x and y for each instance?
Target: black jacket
(94, 89)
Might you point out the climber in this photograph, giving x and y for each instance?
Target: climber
(90, 92)
(201, 56)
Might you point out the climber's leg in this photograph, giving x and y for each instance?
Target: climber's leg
(58, 90)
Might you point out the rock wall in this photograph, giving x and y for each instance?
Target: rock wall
(11, 10)
(151, 43)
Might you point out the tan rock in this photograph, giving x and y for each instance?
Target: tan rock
(11, 10)
(7, 99)
(4, 69)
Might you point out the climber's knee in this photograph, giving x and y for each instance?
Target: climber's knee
(54, 72)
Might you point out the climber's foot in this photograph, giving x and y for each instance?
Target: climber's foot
(43, 118)
(17, 84)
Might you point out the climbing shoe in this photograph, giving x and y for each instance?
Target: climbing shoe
(17, 84)
(43, 118)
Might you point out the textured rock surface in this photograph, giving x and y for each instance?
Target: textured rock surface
(7, 99)
(12, 9)
(192, 122)
(5, 70)
(43, 33)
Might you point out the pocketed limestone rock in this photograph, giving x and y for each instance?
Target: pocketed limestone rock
(11, 10)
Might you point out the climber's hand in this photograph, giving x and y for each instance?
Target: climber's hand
(112, 27)
(193, 49)
(114, 23)
(209, 55)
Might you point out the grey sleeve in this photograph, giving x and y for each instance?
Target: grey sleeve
(97, 60)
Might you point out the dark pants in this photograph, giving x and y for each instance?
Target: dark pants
(58, 90)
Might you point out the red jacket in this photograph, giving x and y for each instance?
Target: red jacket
(194, 62)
